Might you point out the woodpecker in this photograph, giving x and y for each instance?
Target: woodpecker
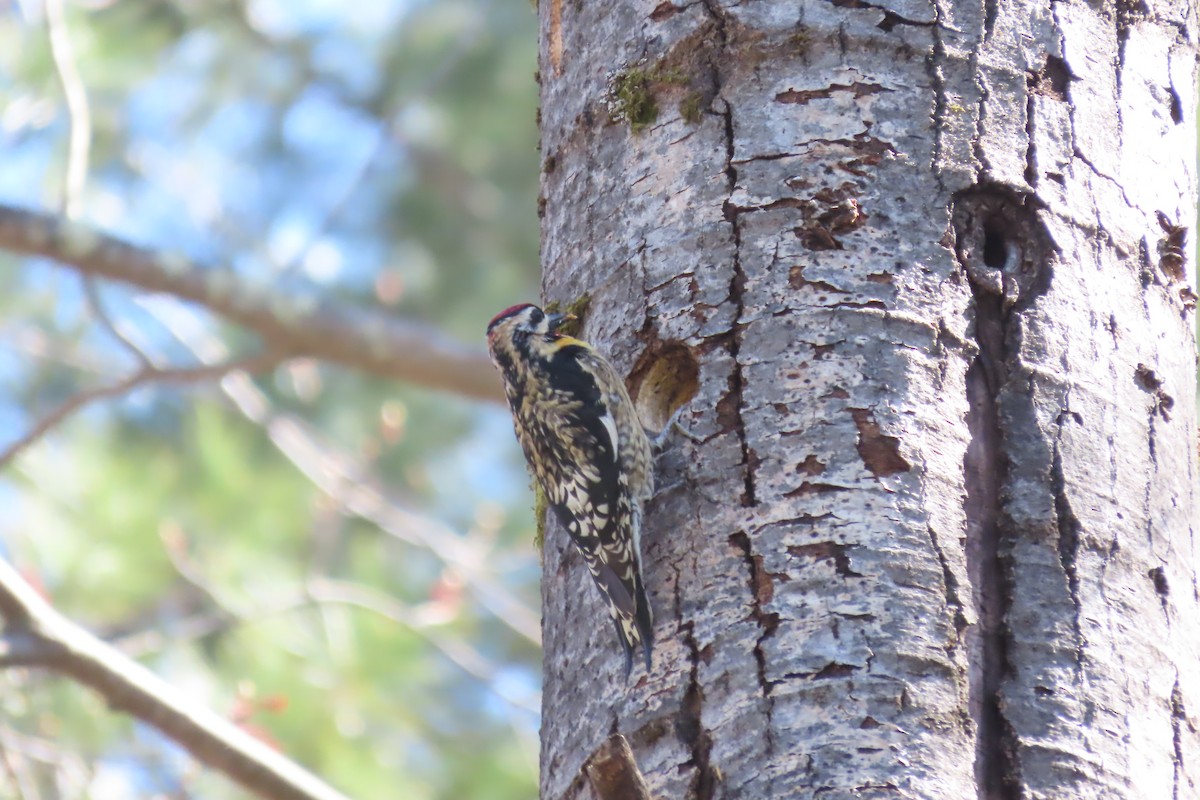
(586, 448)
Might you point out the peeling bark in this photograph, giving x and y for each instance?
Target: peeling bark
(936, 534)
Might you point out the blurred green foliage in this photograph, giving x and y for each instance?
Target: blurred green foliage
(384, 151)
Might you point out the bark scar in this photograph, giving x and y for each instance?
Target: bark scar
(613, 773)
(1008, 257)
(983, 247)
(556, 37)
(988, 563)
(880, 453)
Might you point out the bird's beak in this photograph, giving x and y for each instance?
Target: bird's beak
(555, 321)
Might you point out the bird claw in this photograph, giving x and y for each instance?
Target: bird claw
(659, 439)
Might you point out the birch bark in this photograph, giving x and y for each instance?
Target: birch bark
(930, 267)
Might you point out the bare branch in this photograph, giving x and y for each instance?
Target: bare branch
(420, 621)
(16, 768)
(176, 547)
(32, 341)
(151, 640)
(79, 142)
(358, 493)
(300, 325)
(324, 592)
(51, 754)
(80, 136)
(350, 484)
(21, 646)
(128, 686)
(145, 375)
(423, 620)
(96, 304)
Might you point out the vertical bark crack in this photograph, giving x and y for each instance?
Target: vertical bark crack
(987, 561)
(736, 295)
(690, 725)
(1031, 175)
(991, 12)
(981, 159)
(1007, 256)
(949, 585)
(935, 66)
(737, 282)
(1068, 548)
(1177, 716)
(761, 591)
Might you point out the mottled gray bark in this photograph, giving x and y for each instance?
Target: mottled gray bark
(939, 538)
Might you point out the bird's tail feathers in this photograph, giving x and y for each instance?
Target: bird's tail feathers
(636, 631)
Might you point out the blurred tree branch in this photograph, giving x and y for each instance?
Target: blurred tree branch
(79, 144)
(75, 94)
(320, 590)
(287, 323)
(35, 635)
(357, 338)
(356, 491)
(147, 374)
(359, 493)
(17, 772)
(38, 751)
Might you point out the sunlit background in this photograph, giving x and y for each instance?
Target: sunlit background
(343, 565)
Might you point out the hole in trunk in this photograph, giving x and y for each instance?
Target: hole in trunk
(664, 380)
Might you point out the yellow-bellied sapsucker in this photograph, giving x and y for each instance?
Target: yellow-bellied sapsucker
(587, 449)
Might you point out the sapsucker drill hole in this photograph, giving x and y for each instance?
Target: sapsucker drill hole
(665, 379)
(995, 247)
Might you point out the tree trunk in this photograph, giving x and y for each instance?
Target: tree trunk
(938, 539)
